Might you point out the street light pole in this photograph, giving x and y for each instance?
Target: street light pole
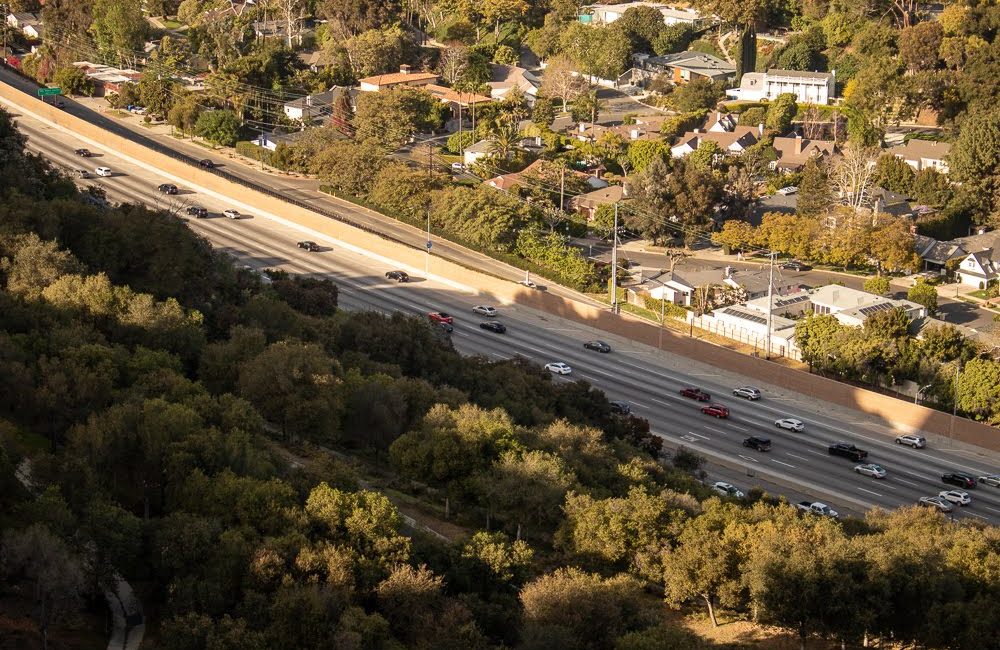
(770, 307)
(614, 266)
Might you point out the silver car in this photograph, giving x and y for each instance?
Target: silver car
(915, 441)
(789, 423)
(485, 310)
(956, 496)
(990, 479)
(727, 490)
(936, 502)
(871, 469)
(748, 392)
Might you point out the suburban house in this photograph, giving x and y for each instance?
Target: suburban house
(504, 78)
(587, 204)
(732, 142)
(457, 101)
(853, 307)
(808, 87)
(936, 254)
(474, 152)
(405, 77)
(605, 14)
(793, 305)
(923, 154)
(587, 132)
(509, 181)
(721, 122)
(794, 152)
(754, 283)
(317, 60)
(270, 141)
(688, 66)
(679, 287)
(29, 24)
(317, 107)
(107, 80)
(747, 326)
(981, 268)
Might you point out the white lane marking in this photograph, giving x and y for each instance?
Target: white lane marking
(749, 458)
(642, 406)
(903, 480)
(775, 460)
(869, 492)
(688, 438)
(813, 451)
(972, 514)
(891, 487)
(692, 433)
(736, 426)
(497, 354)
(993, 509)
(660, 401)
(788, 453)
(714, 430)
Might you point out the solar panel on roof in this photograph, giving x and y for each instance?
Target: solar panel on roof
(753, 318)
(874, 309)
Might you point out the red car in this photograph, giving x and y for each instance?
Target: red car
(696, 393)
(718, 410)
(441, 317)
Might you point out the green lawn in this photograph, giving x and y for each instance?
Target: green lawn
(172, 24)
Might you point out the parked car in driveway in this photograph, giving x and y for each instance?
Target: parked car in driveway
(790, 423)
(558, 367)
(937, 503)
(597, 346)
(493, 326)
(727, 490)
(485, 310)
(441, 317)
(748, 392)
(716, 410)
(695, 393)
(758, 443)
(956, 496)
(961, 480)
(917, 442)
(310, 246)
(398, 276)
(871, 469)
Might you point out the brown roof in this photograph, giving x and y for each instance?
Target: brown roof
(916, 149)
(787, 155)
(597, 198)
(745, 135)
(453, 96)
(398, 78)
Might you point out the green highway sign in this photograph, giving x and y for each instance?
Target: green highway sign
(45, 92)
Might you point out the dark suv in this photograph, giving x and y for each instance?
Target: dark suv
(847, 450)
(597, 346)
(197, 211)
(310, 246)
(493, 326)
(620, 408)
(758, 443)
(695, 393)
(167, 188)
(961, 480)
(398, 276)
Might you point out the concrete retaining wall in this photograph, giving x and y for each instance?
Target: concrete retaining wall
(888, 410)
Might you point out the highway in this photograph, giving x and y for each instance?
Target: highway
(798, 465)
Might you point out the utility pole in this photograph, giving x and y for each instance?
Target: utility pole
(614, 266)
(954, 405)
(770, 306)
(562, 186)
(430, 173)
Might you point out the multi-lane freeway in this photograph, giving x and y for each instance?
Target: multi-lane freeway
(798, 465)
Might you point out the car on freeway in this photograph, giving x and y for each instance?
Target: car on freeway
(558, 367)
(786, 191)
(959, 479)
(715, 410)
(817, 508)
(82, 173)
(695, 393)
(447, 327)
(795, 265)
(441, 317)
(206, 163)
(232, 214)
(990, 479)
(597, 346)
(84, 153)
(619, 407)
(847, 450)
(758, 443)
(485, 310)
(789, 423)
(871, 469)
(310, 246)
(917, 442)
(103, 171)
(936, 502)
(398, 276)
(727, 489)
(197, 211)
(956, 496)
(167, 188)
(528, 283)
(493, 326)
(748, 392)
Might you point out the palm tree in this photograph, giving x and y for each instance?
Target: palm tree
(504, 136)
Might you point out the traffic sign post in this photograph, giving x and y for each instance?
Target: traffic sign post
(47, 92)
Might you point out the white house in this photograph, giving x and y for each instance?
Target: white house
(605, 14)
(688, 66)
(29, 24)
(732, 142)
(923, 154)
(316, 107)
(504, 78)
(981, 268)
(808, 87)
(853, 307)
(474, 152)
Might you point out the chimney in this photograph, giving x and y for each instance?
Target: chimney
(309, 100)
(404, 69)
(798, 144)
(760, 129)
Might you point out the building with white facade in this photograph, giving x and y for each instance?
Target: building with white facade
(808, 87)
(600, 14)
(853, 307)
(923, 154)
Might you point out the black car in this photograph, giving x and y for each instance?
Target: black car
(197, 211)
(795, 265)
(598, 346)
(493, 326)
(167, 188)
(206, 163)
(310, 246)
(961, 480)
(83, 152)
(620, 408)
(447, 327)
(847, 450)
(398, 276)
(758, 443)
(695, 393)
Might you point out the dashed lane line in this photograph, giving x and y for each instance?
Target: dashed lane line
(869, 491)
(775, 460)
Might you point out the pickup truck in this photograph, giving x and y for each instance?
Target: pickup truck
(848, 450)
(817, 508)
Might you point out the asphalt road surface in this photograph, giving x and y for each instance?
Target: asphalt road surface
(798, 466)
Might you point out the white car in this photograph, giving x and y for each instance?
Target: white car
(727, 490)
(103, 171)
(936, 502)
(956, 496)
(748, 392)
(457, 166)
(232, 214)
(785, 191)
(789, 423)
(558, 367)
(917, 442)
(871, 469)
(990, 479)
(528, 283)
(485, 310)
